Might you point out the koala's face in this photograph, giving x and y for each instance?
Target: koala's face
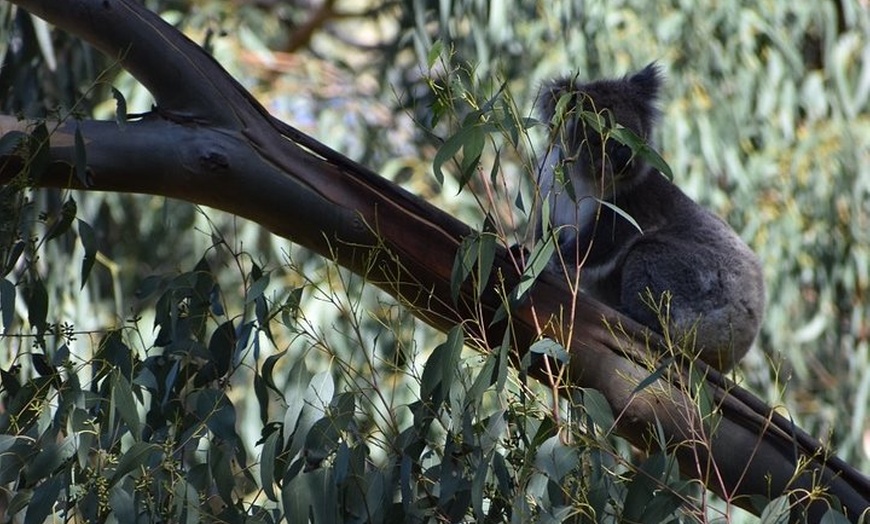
(589, 150)
(587, 153)
(588, 143)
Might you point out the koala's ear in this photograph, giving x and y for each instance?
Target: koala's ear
(551, 93)
(647, 82)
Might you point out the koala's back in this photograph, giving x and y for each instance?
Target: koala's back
(685, 270)
(709, 283)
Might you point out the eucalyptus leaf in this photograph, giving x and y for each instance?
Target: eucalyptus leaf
(550, 348)
(135, 457)
(216, 410)
(80, 160)
(832, 516)
(7, 304)
(267, 464)
(122, 399)
(120, 108)
(598, 409)
(539, 258)
(778, 511)
(555, 459)
(62, 223)
(434, 53)
(11, 141)
(42, 503)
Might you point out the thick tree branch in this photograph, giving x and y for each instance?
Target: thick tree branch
(211, 143)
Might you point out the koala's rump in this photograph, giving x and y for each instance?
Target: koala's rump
(695, 286)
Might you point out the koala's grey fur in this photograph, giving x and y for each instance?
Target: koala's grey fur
(714, 280)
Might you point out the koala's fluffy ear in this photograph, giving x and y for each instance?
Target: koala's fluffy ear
(645, 87)
(551, 92)
(647, 82)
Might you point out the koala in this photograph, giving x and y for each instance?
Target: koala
(675, 248)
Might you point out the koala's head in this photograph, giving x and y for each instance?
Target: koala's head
(629, 101)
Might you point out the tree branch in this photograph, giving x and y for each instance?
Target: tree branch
(211, 143)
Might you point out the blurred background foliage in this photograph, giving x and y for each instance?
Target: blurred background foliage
(765, 120)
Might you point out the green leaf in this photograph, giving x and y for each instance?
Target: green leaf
(123, 402)
(268, 368)
(267, 464)
(311, 496)
(322, 439)
(294, 394)
(555, 459)
(135, 457)
(37, 305)
(317, 397)
(561, 110)
(642, 488)
(10, 142)
(48, 460)
(320, 391)
(485, 260)
(653, 377)
(290, 308)
(6, 442)
(470, 139)
(262, 393)
(218, 413)
(832, 516)
(187, 504)
(434, 53)
(441, 367)
(10, 382)
(538, 260)
(472, 149)
(221, 347)
(449, 149)
(496, 428)
(619, 211)
(463, 263)
(263, 316)
(495, 170)
(220, 467)
(642, 149)
(296, 499)
(501, 473)
(120, 108)
(257, 289)
(80, 160)
(777, 512)
(43, 501)
(12, 257)
(598, 408)
(89, 243)
(484, 379)
(122, 504)
(343, 409)
(243, 339)
(655, 492)
(61, 225)
(550, 348)
(7, 304)
(20, 501)
(41, 157)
